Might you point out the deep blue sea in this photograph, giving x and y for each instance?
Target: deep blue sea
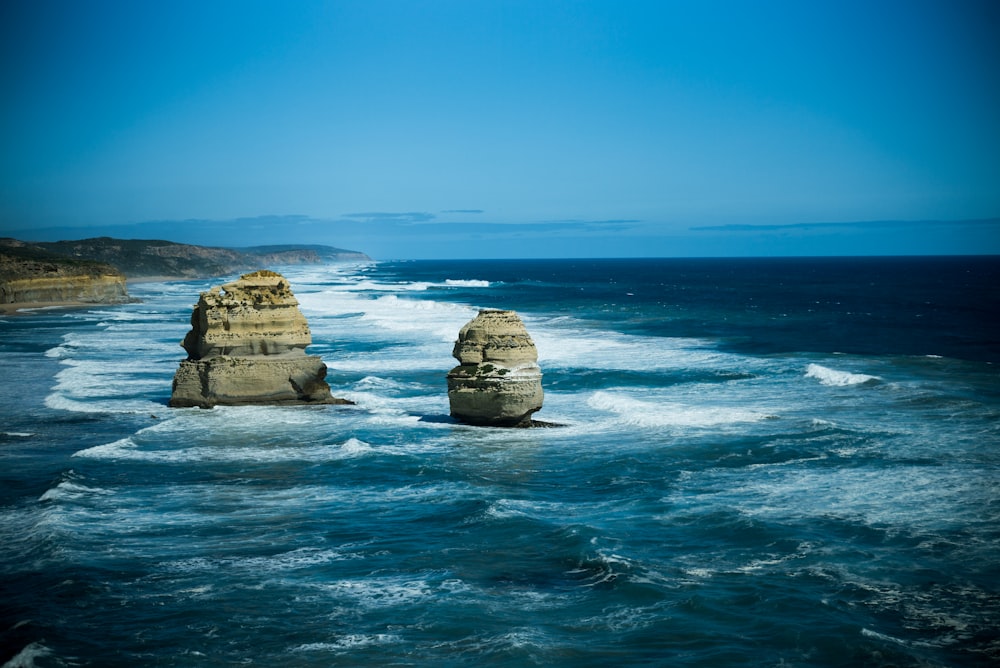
(770, 462)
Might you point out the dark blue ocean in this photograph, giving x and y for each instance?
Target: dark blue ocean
(780, 462)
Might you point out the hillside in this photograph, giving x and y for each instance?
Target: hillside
(143, 258)
(21, 260)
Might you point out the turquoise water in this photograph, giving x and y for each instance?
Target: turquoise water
(763, 462)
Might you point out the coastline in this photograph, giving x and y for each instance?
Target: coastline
(28, 308)
(161, 279)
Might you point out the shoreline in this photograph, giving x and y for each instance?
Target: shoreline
(30, 308)
(161, 279)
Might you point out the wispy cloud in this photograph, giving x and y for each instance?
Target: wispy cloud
(865, 224)
(406, 217)
(538, 229)
(609, 224)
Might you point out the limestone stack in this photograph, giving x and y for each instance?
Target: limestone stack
(247, 346)
(498, 381)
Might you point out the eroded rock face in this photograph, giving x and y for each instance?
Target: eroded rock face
(247, 346)
(103, 289)
(498, 381)
(256, 315)
(236, 381)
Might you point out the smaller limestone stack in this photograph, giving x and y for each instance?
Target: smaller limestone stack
(247, 346)
(498, 381)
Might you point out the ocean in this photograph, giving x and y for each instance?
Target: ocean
(763, 462)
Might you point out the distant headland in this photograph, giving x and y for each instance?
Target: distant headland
(95, 271)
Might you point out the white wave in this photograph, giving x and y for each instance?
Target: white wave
(699, 573)
(487, 645)
(128, 449)
(377, 383)
(388, 361)
(916, 497)
(384, 318)
(331, 302)
(119, 406)
(569, 344)
(58, 351)
(367, 285)
(432, 326)
(116, 450)
(377, 593)
(95, 379)
(525, 637)
(642, 413)
(68, 490)
(120, 316)
(276, 434)
(41, 308)
(835, 378)
(441, 318)
(323, 275)
(547, 510)
(471, 283)
(354, 447)
(884, 637)
(770, 562)
(105, 370)
(26, 657)
(348, 642)
(19, 434)
(305, 557)
(197, 592)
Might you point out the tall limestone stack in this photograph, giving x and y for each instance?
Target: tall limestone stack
(498, 381)
(247, 346)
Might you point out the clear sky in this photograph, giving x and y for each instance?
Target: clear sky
(507, 128)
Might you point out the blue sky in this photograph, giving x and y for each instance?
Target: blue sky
(457, 128)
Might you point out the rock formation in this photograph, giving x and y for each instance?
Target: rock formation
(30, 275)
(247, 346)
(498, 381)
(108, 288)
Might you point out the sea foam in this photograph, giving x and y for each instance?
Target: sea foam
(349, 642)
(470, 283)
(652, 414)
(26, 657)
(835, 378)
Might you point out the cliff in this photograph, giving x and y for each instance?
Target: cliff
(32, 275)
(143, 258)
(107, 289)
(247, 346)
(306, 254)
(95, 270)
